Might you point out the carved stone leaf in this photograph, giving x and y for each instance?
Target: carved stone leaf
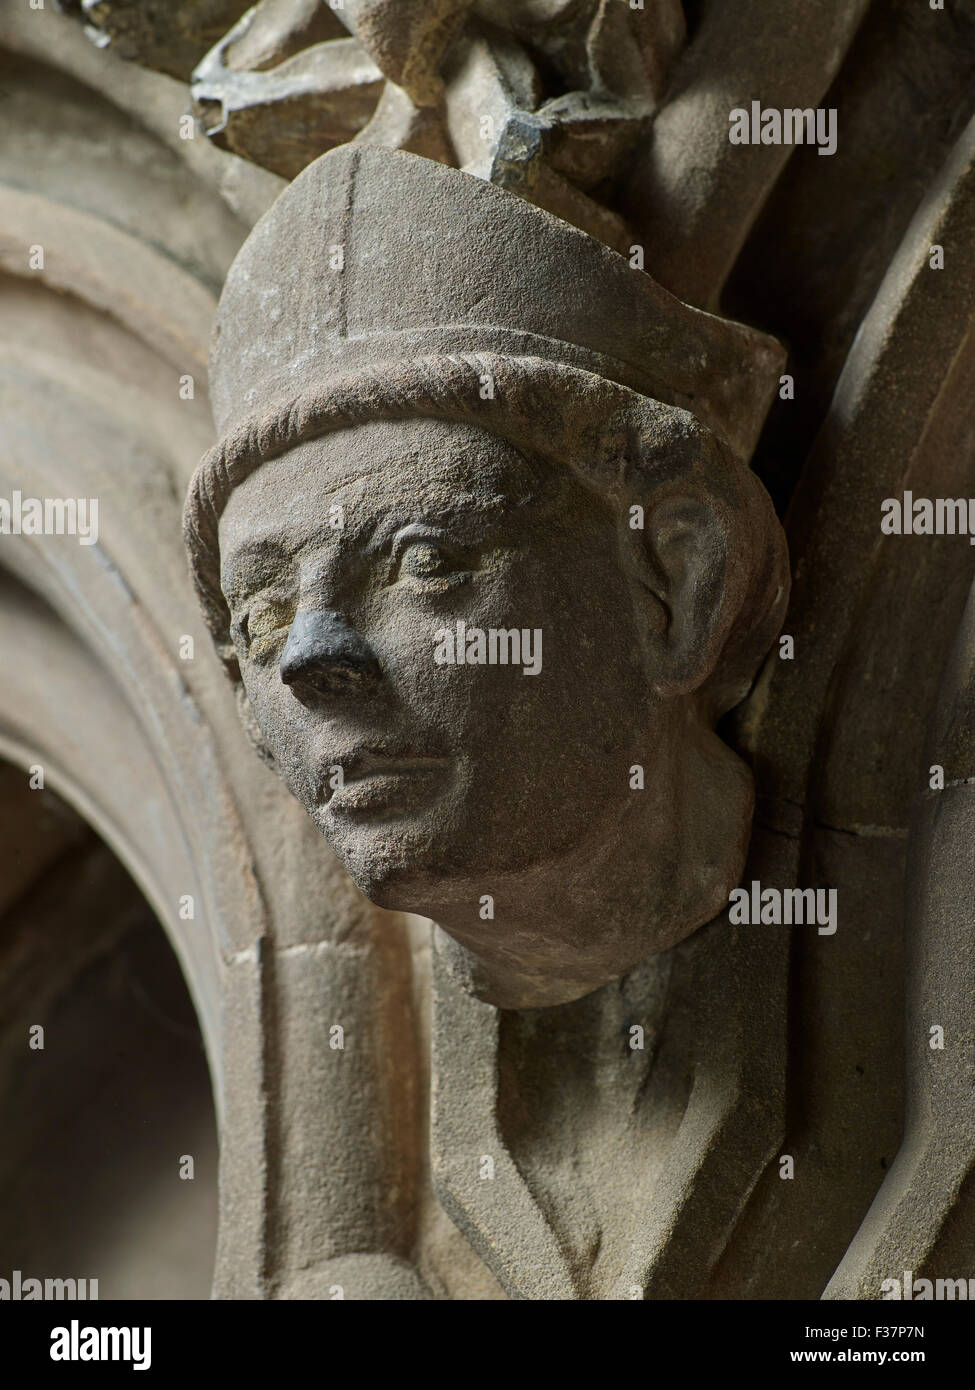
(285, 116)
(167, 37)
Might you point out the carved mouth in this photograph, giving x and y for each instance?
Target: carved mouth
(374, 781)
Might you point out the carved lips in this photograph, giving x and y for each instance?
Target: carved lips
(368, 782)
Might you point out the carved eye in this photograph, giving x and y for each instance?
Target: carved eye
(266, 618)
(423, 560)
(428, 563)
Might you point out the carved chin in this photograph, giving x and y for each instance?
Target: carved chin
(395, 887)
(395, 866)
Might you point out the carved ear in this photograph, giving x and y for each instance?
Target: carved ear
(681, 557)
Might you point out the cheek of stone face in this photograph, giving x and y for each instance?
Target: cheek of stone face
(284, 729)
(541, 748)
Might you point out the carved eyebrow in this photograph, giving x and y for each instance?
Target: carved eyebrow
(477, 512)
(251, 563)
(431, 526)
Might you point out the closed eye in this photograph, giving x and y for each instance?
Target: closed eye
(265, 617)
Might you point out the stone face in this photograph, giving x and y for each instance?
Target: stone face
(454, 411)
(483, 741)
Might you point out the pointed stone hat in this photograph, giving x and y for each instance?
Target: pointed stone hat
(373, 256)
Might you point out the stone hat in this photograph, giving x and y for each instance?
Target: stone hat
(374, 256)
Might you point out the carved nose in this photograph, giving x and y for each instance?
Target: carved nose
(325, 656)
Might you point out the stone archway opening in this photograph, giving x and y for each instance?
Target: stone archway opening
(108, 1168)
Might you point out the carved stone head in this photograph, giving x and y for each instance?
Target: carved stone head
(481, 551)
